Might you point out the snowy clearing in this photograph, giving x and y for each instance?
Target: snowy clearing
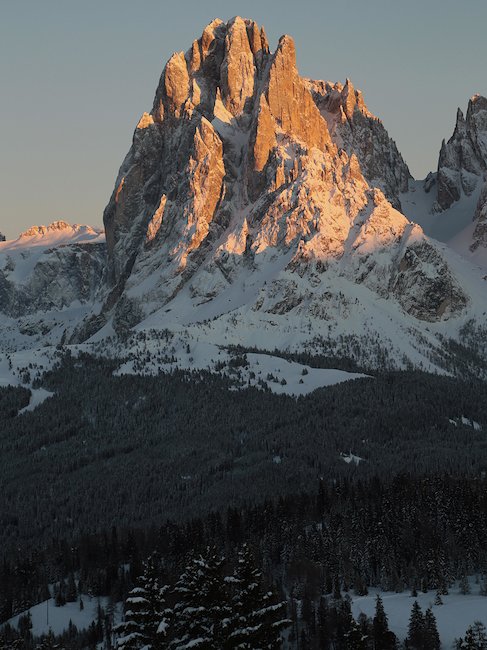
(47, 616)
(37, 396)
(453, 617)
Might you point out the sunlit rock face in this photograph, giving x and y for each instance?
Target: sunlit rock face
(463, 159)
(356, 130)
(244, 174)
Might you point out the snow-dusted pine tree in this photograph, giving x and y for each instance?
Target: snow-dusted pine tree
(202, 613)
(475, 638)
(257, 615)
(146, 617)
(431, 636)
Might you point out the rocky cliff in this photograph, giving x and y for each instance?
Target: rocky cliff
(354, 129)
(463, 159)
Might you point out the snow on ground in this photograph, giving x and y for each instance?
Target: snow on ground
(296, 383)
(461, 244)
(454, 226)
(467, 422)
(351, 458)
(37, 396)
(453, 617)
(260, 370)
(47, 616)
(417, 205)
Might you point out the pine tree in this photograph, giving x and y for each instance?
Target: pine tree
(202, 614)
(384, 639)
(416, 628)
(475, 637)
(132, 632)
(464, 585)
(355, 638)
(146, 619)
(257, 616)
(431, 636)
(71, 591)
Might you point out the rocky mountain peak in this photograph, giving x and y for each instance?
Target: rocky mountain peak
(463, 159)
(356, 130)
(245, 174)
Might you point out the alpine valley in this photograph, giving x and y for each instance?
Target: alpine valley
(275, 309)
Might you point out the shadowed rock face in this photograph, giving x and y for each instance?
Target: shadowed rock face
(463, 159)
(242, 166)
(50, 268)
(480, 232)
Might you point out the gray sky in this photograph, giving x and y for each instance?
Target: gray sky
(76, 76)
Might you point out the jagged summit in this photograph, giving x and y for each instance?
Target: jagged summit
(463, 159)
(249, 189)
(59, 227)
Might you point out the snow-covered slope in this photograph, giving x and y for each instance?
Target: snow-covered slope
(49, 278)
(451, 204)
(50, 267)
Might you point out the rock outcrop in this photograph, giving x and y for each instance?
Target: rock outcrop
(353, 127)
(463, 159)
(479, 239)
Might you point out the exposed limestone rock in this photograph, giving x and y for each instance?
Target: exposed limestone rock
(356, 130)
(463, 159)
(238, 70)
(290, 101)
(176, 82)
(265, 135)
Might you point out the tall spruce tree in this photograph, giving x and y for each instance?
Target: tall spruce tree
(384, 639)
(202, 612)
(431, 636)
(257, 617)
(415, 636)
(146, 617)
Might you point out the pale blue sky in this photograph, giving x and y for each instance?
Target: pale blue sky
(76, 75)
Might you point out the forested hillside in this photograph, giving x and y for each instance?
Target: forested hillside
(134, 450)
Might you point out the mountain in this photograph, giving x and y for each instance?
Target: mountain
(463, 159)
(52, 269)
(451, 204)
(259, 208)
(248, 203)
(358, 132)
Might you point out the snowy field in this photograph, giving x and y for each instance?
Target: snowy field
(46, 615)
(37, 396)
(453, 617)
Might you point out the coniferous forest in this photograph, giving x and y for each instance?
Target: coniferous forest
(227, 519)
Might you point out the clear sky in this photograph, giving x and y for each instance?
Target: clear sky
(76, 75)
